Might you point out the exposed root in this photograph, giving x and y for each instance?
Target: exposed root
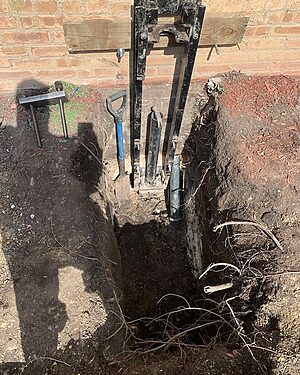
(258, 226)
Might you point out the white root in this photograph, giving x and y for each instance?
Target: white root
(220, 265)
(256, 225)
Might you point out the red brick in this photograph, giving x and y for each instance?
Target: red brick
(96, 6)
(83, 73)
(46, 7)
(206, 70)
(293, 4)
(8, 22)
(257, 19)
(293, 43)
(153, 71)
(20, 6)
(160, 59)
(14, 50)
(292, 16)
(249, 5)
(14, 75)
(263, 30)
(288, 17)
(274, 18)
(274, 4)
(120, 8)
(73, 6)
(2, 7)
(104, 72)
(293, 67)
(5, 63)
(277, 55)
(287, 30)
(50, 51)
(257, 30)
(57, 37)
(40, 63)
(213, 5)
(83, 62)
(245, 56)
(48, 74)
(227, 6)
(41, 21)
(62, 63)
(266, 44)
(25, 37)
(251, 67)
(51, 21)
(28, 22)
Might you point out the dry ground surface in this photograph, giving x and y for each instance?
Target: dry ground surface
(59, 259)
(60, 269)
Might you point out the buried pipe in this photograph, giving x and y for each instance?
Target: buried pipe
(175, 190)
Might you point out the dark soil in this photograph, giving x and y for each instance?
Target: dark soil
(59, 260)
(154, 258)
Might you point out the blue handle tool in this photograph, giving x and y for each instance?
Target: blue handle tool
(118, 116)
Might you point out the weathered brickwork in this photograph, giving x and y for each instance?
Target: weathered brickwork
(32, 44)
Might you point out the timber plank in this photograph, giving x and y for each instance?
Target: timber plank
(107, 34)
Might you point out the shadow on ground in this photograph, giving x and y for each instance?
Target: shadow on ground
(59, 258)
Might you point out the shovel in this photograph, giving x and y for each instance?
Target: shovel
(122, 181)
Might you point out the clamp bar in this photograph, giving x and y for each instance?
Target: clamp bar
(186, 32)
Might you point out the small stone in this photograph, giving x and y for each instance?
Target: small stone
(296, 139)
(12, 206)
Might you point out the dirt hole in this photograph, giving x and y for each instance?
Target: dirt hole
(164, 302)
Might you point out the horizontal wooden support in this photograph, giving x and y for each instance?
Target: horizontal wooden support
(104, 34)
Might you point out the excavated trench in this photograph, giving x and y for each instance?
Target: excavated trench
(161, 259)
(164, 302)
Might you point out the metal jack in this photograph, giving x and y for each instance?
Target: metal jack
(186, 31)
(46, 99)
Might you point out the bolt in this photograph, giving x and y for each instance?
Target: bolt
(143, 35)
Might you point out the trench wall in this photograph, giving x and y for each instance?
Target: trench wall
(32, 43)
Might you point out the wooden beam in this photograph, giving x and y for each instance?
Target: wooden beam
(107, 34)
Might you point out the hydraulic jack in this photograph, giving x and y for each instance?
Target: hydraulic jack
(185, 30)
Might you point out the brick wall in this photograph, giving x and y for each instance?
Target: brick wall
(32, 42)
